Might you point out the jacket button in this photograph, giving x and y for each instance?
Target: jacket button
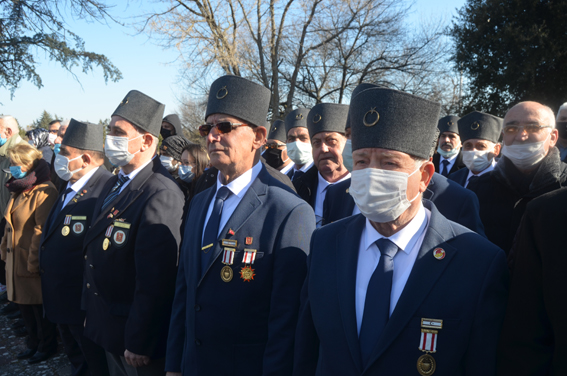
(92, 266)
(197, 342)
(88, 285)
(96, 293)
(8, 250)
(197, 308)
(9, 229)
(85, 257)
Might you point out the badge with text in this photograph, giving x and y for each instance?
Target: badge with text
(229, 243)
(426, 364)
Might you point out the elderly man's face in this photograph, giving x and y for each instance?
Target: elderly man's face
(449, 141)
(235, 149)
(391, 160)
(529, 122)
(327, 151)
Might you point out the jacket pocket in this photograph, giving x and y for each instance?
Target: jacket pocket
(21, 265)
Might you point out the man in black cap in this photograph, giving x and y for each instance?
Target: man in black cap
(326, 125)
(242, 263)
(479, 134)
(561, 124)
(448, 158)
(529, 167)
(298, 142)
(79, 165)
(276, 149)
(170, 126)
(131, 248)
(399, 286)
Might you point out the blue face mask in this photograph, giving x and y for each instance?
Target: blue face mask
(448, 154)
(185, 173)
(17, 172)
(3, 141)
(56, 148)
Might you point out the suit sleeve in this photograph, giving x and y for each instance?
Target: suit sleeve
(488, 319)
(44, 200)
(289, 272)
(157, 242)
(527, 332)
(469, 215)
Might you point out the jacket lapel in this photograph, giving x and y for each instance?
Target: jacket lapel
(194, 234)
(348, 242)
(425, 273)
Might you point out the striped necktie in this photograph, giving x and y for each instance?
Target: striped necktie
(115, 191)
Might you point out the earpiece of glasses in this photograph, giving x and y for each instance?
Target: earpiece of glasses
(222, 127)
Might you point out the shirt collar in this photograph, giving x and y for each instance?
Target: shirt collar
(486, 170)
(240, 185)
(324, 183)
(405, 239)
(79, 184)
(451, 159)
(133, 174)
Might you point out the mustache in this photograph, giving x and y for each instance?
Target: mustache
(448, 144)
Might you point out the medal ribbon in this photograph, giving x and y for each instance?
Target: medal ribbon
(67, 220)
(228, 256)
(249, 257)
(428, 341)
(109, 231)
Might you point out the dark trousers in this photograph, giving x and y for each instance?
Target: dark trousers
(118, 367)
(86, 357)
(41, 332)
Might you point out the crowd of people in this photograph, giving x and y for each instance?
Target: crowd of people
(374, 238)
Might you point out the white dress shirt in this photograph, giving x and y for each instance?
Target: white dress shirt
(304, 168)
(322, 186)
(486, 170)
(286, 169)
(78, 185)
(451, 160)
(408, 240)
(238, 187)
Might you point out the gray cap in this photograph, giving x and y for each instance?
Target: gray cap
(391, 119)
(84, 136)
(448, 124)
(327, 117)
(239, 97)
(142, 111)
(277, 131)
(361, 87)
(480, 125)
(296, 118)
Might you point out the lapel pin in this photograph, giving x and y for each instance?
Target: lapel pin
(248, 240)
(439, 253)
(231, 232)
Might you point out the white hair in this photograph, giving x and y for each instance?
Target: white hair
(65, 122)
(10, 122)
(562, 107)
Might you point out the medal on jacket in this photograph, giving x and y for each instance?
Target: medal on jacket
(106, 241)
(247, 273)
(66, 230)
(227, 259)
(426, 364)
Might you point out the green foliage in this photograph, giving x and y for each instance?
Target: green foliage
(43, 121)
(30, 26)
(512, 51)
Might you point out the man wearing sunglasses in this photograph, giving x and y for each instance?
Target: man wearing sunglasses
(529, 167)
(243, 258)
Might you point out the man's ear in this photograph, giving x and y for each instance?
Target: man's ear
(9, 132)
(260, 134)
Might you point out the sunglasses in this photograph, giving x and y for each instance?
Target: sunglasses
(274, 145)
(223, 127)
(530, 128)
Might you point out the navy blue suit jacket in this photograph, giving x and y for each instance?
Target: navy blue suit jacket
(453, 201)
(467, 289)
(460, 176)
(242, 327)
(61, 259)
(129, 287)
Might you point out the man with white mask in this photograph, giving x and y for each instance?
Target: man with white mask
(398, 289)
(529, 167)
(298, 142)
(561, 125)
(79, 166)
(448, 158)
(479, 133)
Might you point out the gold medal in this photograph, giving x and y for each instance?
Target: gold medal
(226, 273)
(426, 365)
(247, 273)
(105, 244)
(65, 230)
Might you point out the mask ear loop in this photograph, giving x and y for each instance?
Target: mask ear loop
(418, 193)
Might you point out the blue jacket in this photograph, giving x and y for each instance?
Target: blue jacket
(61, 259)
(453, 201)
(460, 176)
(467, 289)
(242, 327)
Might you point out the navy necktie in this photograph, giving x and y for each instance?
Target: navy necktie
(445, 170)
(115, 191)
(472, 180)
(377, 302)
(60, 204)
(212, 229)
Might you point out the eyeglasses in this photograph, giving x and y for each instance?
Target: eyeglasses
(54, 131)
(530, 128)
(222, 127)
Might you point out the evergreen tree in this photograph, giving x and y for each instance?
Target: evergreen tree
(43, 121)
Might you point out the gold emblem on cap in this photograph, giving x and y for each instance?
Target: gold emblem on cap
(223, 92)
(475, 125)
(317, 118)
(449, 123)
(124, 101)
(226, 273)
(426, 365)
(372, 111)
(298, 116)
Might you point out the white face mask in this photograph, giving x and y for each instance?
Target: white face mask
(347, 155)
(61, 166)
(476, 160)
(448, 154)
(524, 156)
(167, 162)
(51, 138)
(380, 194)
(300, 152)
(116, 150)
